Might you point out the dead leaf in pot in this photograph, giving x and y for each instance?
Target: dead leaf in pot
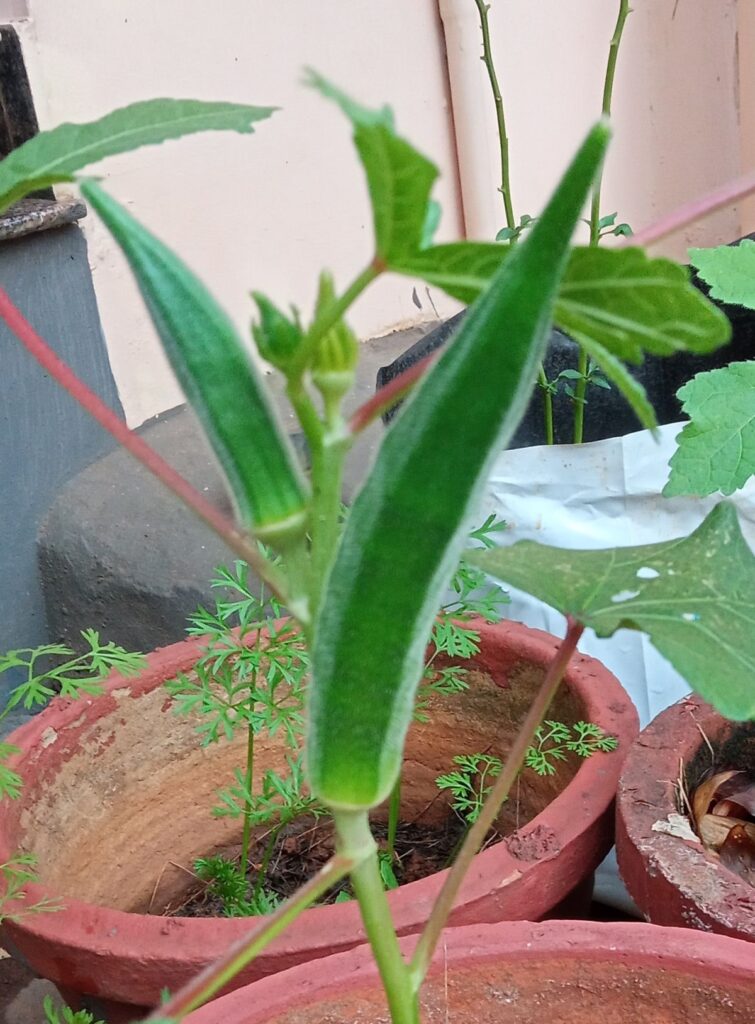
(738, 794)
(714, 829)
(738, 853)
(707, 793)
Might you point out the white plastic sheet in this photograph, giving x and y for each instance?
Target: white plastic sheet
(599, 495)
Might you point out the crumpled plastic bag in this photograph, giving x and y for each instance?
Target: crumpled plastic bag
(599, 495)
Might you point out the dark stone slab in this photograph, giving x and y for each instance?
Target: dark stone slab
(46, 438)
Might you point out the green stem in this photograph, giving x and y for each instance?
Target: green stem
(327, 478)
(216, 976)
(613, 55)
(547, 405)
(425, 948)
(394, 811)
(610, 75)
(503, 139)
(248, 779)
(262, 873)
(579, 397)
(354, 836)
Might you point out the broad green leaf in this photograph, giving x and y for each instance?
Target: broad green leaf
(717, 447)
(694, 597)
(729, 270)
(398, 177)
(461, 269)
(57, 155)
(631, 304)
(217, 376)
(409, 522)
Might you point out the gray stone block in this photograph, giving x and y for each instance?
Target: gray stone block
(120, 553)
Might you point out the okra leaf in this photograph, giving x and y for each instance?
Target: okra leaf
(632, 304)
(461, 269)
(217, 375)
(729, 270)
(694, 597)
(399, 178)
(407, 526)
(717, 447)
(57, 155)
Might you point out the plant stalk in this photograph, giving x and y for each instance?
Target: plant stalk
(580, 391)
(355, 837)
(613, 56)
(213, 978)
(500, 114)
(547, 405)
(425, 948)
(265, 864)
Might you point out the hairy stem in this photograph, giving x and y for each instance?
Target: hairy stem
(425, 948)
(327, 479)
(213, 978)
(355, 837)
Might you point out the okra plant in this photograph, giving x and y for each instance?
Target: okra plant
(365, 591)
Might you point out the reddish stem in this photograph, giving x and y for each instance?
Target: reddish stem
(694, 210)
(388, 395)
(115, 426)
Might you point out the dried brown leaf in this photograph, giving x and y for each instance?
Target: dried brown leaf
(714, 829)
(738, 853)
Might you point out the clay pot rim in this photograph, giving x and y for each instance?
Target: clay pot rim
(673, 735)
(719, 958)
(81, 925)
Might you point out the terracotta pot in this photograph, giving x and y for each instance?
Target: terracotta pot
(562, 972)
(117, 791)
(675, 881)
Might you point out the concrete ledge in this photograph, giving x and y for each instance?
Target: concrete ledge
(119, 553)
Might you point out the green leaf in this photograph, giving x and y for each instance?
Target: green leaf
(729, 270)
(399, 178)
(409, 522)
(631, 304)
(694, 597)
(717, 448)
(57, 155)
(462, 269)
(217, 376)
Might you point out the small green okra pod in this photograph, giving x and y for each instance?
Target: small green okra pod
(408, 524)
(218, 378)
